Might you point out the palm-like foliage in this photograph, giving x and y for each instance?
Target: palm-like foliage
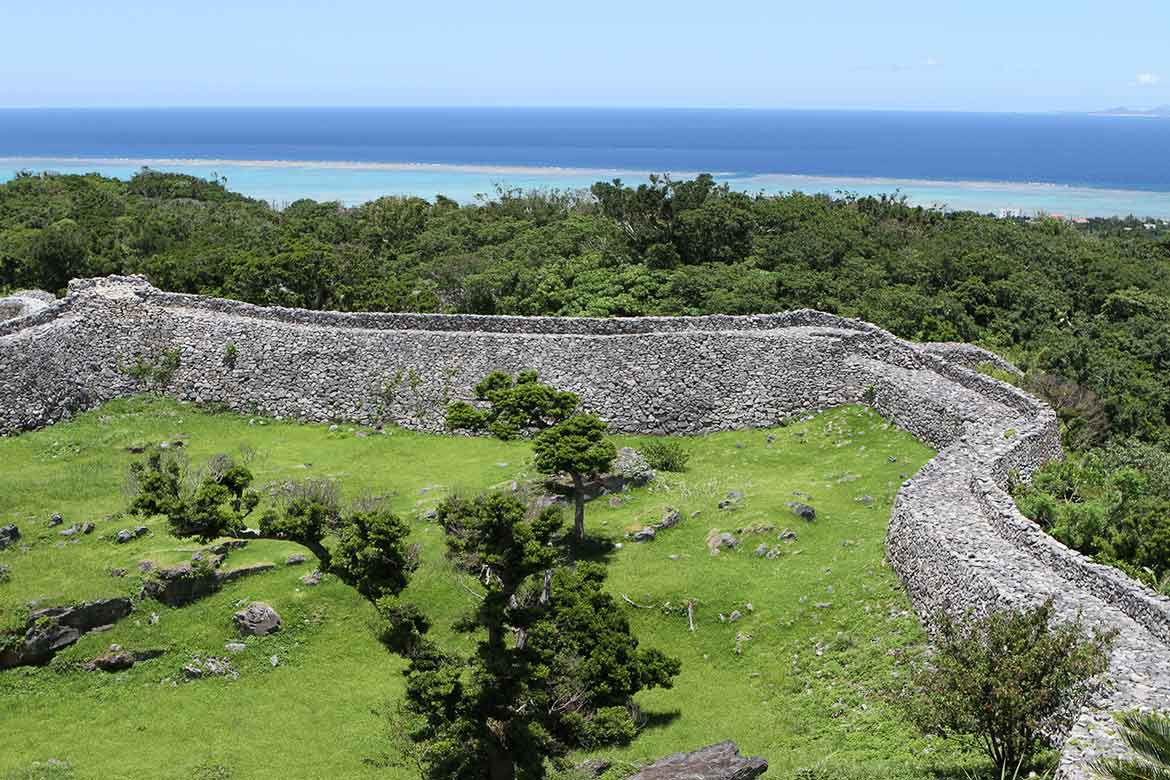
(1148, 735)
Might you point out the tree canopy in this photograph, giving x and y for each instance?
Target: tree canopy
(557, 666)
(1083, 309)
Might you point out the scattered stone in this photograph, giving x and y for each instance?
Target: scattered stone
(593, 767)
(757, 528)
(223, 548)
(803, 511)
(771, 438)
(632, 466)
(739, 445)
(145, 566)
(312, 578)
(113, 660)
(864, 500)
(646, 534)
(717, 541)
(674, 557)
(296, 559)
(761, 550)
(235, 647)
(130, 534)
(669, 520)
(734, 616)
(615, 501)
(118, 572)
(9, 535)
(892, 459)
(209, 667)
(823, 604)
(153, 619)
(257, 619)
(788, 535)
(275, 661)
(333, 428)
(715, 762)
(56, 519)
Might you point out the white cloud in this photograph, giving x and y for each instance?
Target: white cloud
(1147, 79)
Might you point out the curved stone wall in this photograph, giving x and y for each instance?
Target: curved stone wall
(955, 537)
(23, 303)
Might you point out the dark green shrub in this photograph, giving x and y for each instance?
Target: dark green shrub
(515, 407)
(1007, 681)
(666, 454)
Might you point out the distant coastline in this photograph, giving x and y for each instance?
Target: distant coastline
(39, 164)
(352, 182)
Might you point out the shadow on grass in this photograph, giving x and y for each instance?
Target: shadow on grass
(659, 720)
(595, 549)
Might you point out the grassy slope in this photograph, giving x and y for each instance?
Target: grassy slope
(828, 630)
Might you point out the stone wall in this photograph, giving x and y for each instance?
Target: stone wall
(955, 537)
(23, 303)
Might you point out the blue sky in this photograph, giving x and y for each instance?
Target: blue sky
(907, 54)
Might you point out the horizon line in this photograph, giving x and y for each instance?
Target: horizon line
(1110, 111)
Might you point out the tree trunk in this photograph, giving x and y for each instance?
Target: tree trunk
(579, 507)
(322, 552)
(500, 764)
(324, 557)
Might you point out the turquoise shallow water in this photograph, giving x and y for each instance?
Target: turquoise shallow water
(352, 183)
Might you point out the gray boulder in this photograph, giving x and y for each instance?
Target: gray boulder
(179, 585)
(669, 520)
(113, 660)
(312, 578)
(647, 534)
(257, 619)
(632, 466)
(9, 535)
(715, 762)
(130, 534)
(803, 511)
(54, 628)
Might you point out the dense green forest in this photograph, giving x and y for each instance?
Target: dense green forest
(1084, 310)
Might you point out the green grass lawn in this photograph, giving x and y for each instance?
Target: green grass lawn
(830, 629)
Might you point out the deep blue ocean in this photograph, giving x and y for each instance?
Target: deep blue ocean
(959, 155)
